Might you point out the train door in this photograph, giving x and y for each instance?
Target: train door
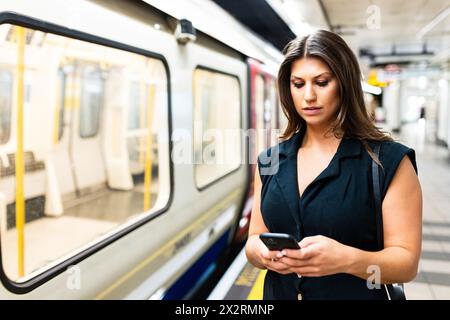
(84, 128)
(59, 159)
(272, 107)
(260, 113)
(79, 144)
(266, 107)
(263, 117)
(140, 132)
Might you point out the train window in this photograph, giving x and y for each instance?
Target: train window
(79, 192)
(27, 93)
(91, 101)
(60, 107)
(137, 114)
(5, 105)
(133, 117)
(217, 122)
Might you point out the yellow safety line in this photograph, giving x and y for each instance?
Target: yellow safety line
(257, 291)
(148, 149)
(20, 167)
(165, 247)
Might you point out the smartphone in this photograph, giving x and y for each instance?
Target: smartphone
(279, 241)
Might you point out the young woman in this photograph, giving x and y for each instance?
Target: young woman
(319, 187)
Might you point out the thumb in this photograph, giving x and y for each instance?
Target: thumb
(307, 241)
(264, 252)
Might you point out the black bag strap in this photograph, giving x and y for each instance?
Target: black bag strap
(395, 293)
(377, 197)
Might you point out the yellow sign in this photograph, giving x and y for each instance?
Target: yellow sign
(373, 80)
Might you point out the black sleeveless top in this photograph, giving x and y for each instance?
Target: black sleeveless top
(338, 204)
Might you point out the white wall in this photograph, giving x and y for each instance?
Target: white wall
(443, 114)
(391, 102)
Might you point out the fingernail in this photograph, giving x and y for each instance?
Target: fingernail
(283, 253)
(280, 255)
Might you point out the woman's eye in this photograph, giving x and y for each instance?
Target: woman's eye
(298, 85)
(322, 83)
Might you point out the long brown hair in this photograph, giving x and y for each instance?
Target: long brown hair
(352, 120)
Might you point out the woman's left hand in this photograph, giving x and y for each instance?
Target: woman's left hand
(318, 256)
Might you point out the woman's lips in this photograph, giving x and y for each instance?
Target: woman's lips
(310, 111)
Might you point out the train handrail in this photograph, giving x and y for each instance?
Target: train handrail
(20, 164)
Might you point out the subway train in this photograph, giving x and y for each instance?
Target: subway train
(128, 137)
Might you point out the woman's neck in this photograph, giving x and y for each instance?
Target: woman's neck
(320, 138)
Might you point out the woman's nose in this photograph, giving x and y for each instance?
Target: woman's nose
(310, 94)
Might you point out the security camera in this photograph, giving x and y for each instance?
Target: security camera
(185, 31)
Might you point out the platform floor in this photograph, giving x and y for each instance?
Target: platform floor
(433, 161)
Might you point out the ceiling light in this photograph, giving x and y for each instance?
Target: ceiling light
(433, 23)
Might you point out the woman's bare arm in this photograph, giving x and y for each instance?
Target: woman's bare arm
(257, 226)
(402, 226)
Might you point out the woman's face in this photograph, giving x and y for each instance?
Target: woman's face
(315, 91)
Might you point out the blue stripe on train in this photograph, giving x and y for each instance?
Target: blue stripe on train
(198, 273)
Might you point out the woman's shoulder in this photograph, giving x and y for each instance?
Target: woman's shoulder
(267, 156)
(392, 152)
(391, 155)
(391, 148)
(282, 147)
(394, 146)
(269, 159)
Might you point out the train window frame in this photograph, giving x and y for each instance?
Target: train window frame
(38, 280)
(4, 139)
(241, 125)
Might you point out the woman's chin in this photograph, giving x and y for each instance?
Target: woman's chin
(315, 121)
